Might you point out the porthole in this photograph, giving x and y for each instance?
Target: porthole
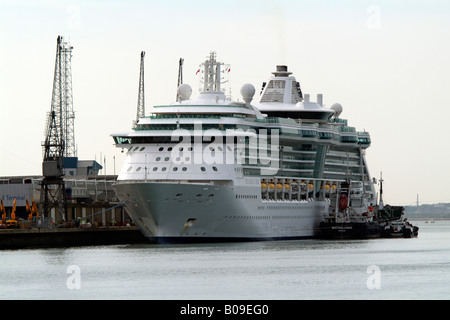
(175, 169)
(142, 149)
(155, 169)
(164, 169)
(138, 169)
(166, 159)
(184, 169)
(129, 169)
(157, 159)
(203, 169)
(215, 169)
(169, 149)
(161, 149)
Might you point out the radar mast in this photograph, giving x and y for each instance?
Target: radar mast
(213, 75)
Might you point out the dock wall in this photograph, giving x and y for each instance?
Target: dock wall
(69, 237)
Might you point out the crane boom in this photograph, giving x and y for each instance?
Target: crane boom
(141, 95)
(180, 74)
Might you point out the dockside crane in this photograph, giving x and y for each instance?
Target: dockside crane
(59, 138)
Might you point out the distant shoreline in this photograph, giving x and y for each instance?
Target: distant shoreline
(426, 219)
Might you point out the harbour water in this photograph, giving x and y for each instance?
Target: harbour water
(417, 268)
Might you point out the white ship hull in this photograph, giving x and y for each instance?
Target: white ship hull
(171, 213)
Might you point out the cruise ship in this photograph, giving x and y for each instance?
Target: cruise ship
(210, 169)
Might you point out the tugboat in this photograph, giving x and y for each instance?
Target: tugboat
(392, 221)
(399, 229)
(350, 215)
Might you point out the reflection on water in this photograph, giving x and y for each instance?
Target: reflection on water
(305, 269)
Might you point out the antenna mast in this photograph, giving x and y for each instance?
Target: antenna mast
(141, 96)
(213, 76)
(381, 204)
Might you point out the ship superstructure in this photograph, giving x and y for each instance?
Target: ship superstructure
(212, 169)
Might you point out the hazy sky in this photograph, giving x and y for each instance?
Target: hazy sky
(386, 62)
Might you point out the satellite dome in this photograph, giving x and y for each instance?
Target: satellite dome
(337, 108)
(184, 92)
(247, 92)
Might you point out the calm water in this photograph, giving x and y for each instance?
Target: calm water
(310, 269)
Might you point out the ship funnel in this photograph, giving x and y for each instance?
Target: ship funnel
(306, 98)
(282, 71)
(320, 99)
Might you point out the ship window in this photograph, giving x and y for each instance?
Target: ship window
(138, 169)
(136, 148)
(190, 149)
(129, 169)
(161, 149)
(142, 149)
(215, 168)
(155, 169)
(166, 159)
(169, 149)
(159, 158)
(164, 169)
(184, 169)
(203, 169)
(175, 169)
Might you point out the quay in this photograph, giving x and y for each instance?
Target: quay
(69, 237)
(91, 202)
